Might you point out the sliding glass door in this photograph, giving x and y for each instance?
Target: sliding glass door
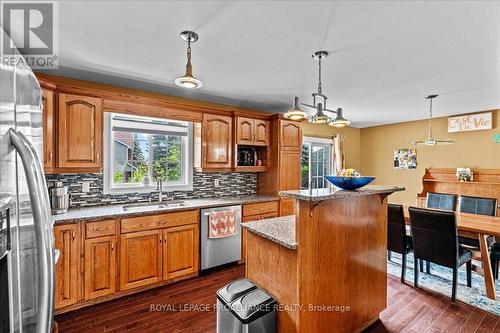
(317, 161)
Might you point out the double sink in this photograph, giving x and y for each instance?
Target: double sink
(156, 206)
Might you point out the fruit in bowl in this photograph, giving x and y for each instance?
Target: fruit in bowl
(349, 179)
(348, 173)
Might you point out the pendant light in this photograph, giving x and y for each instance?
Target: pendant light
(188, 81)
(296, 113)
(339, 120)
(431, 140)
(320, 107)
(319, 117)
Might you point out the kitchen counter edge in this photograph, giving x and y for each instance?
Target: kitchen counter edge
(97, 213)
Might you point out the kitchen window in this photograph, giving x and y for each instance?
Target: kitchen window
(316, 162)
(140, 150)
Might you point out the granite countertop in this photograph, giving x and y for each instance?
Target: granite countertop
(113, 211)
(337, 193)
(279, 229)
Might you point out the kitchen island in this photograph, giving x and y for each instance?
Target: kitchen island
(326, 265)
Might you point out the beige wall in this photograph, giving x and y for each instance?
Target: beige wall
(351, 141)
(471, 149)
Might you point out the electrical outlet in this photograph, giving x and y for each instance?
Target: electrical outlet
(85, 187)
(216, 181)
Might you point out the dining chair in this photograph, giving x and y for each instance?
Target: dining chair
(480, 206)
(442, 201)
(435, 240)
(397, 240)
(495, 259)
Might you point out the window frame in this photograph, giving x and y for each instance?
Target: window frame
(126, 188)
(315, 141)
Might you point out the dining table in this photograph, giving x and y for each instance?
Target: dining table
(479, 227)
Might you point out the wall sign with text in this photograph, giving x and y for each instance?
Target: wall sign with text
(470, 122)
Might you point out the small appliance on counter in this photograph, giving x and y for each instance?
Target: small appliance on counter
(59, 198)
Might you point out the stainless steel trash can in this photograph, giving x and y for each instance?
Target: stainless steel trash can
(245, 308)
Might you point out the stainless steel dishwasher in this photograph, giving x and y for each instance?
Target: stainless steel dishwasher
(222, 250)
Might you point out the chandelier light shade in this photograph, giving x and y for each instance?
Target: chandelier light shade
(339, 120)
(188, 81)
(431, 140)
(296, 113)
(319, 117)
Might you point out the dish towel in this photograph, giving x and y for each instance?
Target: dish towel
(222, 224)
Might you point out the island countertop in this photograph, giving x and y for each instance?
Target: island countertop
(280, 230)
(337, 193)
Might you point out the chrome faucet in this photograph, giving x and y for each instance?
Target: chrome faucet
(159, 188)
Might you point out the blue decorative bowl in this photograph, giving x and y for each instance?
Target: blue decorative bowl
(349, 183)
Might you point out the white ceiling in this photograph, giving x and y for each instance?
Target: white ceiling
(384, 56)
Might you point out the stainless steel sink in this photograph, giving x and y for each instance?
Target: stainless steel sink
(157, 206)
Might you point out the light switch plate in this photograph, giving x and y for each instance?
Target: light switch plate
(216, 182)
(86, 187)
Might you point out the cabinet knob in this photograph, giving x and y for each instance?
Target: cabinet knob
(112, 246)
(50, 156)
(73, 235)
(98, 156)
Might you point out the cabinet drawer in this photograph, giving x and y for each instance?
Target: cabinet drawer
(260, 208)
(100, 228)
(151, 222)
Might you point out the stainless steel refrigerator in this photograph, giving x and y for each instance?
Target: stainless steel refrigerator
(26, 240)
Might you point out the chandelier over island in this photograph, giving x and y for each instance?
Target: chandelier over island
(296, 113)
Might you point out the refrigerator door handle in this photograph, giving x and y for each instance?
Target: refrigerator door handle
(43, 228)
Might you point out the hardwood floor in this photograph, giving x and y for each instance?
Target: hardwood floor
(409, 310)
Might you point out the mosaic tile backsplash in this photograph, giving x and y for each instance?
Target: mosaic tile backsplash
(230, 184)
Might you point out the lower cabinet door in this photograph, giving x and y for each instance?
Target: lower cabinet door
(67, 273)
(100, 267)
(180, 251)
(140, 259)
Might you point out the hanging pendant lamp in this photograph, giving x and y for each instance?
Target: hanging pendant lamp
(431, 140)
(188, 81)
(296, 113)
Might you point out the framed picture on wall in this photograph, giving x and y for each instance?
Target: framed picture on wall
(405, 158)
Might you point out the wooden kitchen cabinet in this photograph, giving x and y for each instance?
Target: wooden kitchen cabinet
(180, 251)
(244, 131)
(262, 132)
(140, 258)
(80, 128)
(48, 112)
(213, 140)
(290, 173)
(100, 267)
(67, 273)
(252, 132)
(291, 135)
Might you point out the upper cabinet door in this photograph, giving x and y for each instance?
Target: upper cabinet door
(48, 109)
(262, 131)
(80, 131)
(291, 135)
(244, 131)
(217, 141)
